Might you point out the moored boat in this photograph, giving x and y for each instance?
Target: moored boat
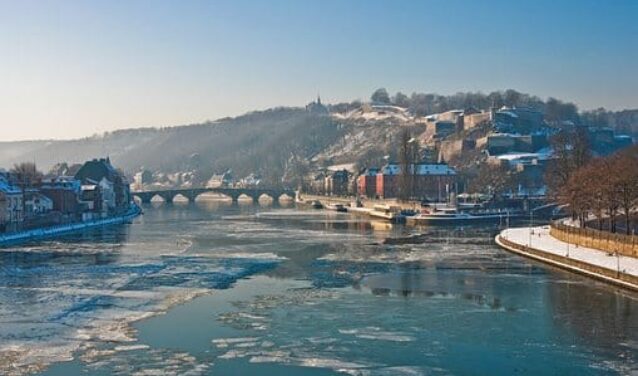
(337, 207)
(451, 216)
(314, 204)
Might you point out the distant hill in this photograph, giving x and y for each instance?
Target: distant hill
(284, 144)
(266, 142)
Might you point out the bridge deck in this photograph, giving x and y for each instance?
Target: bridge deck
(191, 193)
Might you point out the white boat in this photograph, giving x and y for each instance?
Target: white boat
(314, 204)
(336, 207)
(451, 216)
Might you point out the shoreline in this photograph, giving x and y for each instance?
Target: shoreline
(584, 261)
(52, 231)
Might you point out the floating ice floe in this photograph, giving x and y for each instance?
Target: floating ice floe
(376, 333)
(86, 303)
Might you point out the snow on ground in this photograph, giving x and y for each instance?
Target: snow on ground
(543, 241)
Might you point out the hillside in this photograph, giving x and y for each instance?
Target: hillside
(266, 142)
(285, 144)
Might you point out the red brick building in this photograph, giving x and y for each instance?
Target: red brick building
(367, 183)
(432, 182)
(64, 192)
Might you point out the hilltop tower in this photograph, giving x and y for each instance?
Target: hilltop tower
(316, 107)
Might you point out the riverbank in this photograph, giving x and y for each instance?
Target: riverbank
(52, 231)
(537, 243)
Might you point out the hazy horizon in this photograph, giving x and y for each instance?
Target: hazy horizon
(71, 69)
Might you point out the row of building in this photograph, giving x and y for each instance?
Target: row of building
(424, 181)
(97, 190)
(506, 119)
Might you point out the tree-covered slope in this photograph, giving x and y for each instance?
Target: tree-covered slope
(267, 142)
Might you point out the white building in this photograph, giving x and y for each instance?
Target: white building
(12, 196)
(98, 198)
(36, 203)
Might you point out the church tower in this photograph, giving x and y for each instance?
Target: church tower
(317, 107)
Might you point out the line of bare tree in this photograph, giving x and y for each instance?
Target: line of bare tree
(27, 176)
(606, 188)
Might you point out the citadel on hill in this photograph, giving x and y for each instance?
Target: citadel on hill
(460, 150)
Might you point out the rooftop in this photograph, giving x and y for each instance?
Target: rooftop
(421, 169)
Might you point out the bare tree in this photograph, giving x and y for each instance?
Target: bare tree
(408, 158)
(27, 172)
(492, 179)
(27, 176)
(401, 100)
(604, 187)
(625, 171)
(380, 96)
(571, 151)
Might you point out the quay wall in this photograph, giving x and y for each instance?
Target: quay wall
(52, 231)
(626, 245)
(615, 277)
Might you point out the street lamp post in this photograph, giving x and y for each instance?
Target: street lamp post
(567, 243)
(531, 226)
(617, 264)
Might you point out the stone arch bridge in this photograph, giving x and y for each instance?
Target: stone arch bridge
(168, 195)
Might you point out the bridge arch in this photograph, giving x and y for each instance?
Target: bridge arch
(285, 196)
(235, 194)
(166, 196)
(246, 195)
(148, 197)
(182, 196)
(267, 196)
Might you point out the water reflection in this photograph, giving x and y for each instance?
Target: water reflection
(596, 314)
(420, 284)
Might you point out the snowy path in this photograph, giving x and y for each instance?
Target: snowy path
(541, 240)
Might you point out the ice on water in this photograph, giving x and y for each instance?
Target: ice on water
(355, 305)
(60, 297)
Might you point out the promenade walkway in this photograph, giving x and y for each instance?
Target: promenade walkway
(537, 243)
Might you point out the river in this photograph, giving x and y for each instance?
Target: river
(220, 289)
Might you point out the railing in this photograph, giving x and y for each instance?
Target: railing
(626, 245)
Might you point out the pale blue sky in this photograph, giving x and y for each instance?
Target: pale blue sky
(74, 68)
